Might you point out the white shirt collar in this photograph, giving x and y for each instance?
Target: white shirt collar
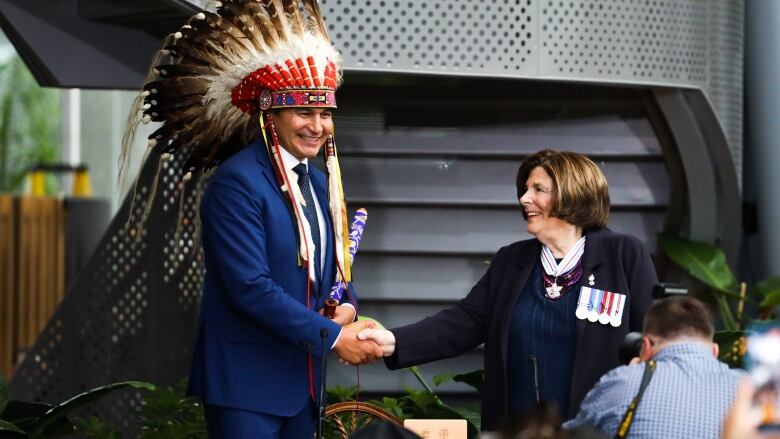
(290, 161)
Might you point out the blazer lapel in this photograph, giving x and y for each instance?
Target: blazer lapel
(268, 171)
(517, 279)
(328, 273)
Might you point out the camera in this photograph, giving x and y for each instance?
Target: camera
(633, 340)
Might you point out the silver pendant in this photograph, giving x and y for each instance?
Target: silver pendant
(554, 291)
(591, 280)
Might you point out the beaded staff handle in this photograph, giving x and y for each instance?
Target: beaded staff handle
(355, 235)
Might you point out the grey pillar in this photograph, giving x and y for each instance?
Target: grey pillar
(762, 64)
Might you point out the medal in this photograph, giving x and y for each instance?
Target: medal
(604, 316)
(616, 318)
(591, 280)
(582, 303)
(595, 303)
(554, 291)
(559, 277)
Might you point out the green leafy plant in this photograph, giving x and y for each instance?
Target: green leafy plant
(39, 420)
(29, 125)
(420, 404)
(165, 413)
(707, 263)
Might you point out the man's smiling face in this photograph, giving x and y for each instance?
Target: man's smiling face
(303, 131)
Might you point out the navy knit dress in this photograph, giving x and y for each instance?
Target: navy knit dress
(543, 329)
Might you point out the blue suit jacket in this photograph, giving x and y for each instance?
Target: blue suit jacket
(255, 330)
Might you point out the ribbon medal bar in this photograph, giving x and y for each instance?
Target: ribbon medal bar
(605, 307)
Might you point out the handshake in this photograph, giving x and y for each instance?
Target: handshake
(362, 342)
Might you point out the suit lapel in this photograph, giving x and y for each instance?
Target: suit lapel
(322, 199)
(517, 279)
(268, 170)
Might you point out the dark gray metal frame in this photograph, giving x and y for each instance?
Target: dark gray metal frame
(714, 201)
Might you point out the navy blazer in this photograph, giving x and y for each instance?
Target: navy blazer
(255, 331)
(618, 263)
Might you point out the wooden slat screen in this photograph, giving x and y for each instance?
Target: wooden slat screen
(32, 271)
(7, 272)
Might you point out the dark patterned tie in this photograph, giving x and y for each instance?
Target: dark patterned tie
(311, 213)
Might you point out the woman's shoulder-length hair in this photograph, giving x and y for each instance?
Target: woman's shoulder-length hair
(580, 190)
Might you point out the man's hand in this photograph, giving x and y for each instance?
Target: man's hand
(354, 351)
(345, 314)
(384, 338)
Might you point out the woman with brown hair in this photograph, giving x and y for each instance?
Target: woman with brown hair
(552, 310)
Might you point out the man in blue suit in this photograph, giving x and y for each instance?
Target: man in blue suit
(245, 96)
(273, 226)
(256, 360)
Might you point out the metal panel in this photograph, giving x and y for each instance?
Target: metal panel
(436, 36)
(617, 40)
(62, 49)
(461, 180)
(473, 230)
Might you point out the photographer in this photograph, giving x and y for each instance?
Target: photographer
(686, 391)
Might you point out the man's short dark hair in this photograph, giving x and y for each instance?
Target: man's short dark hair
(679, 316)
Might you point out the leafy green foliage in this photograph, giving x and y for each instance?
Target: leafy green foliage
(95, 428)
(475, 379)
(393, 406)
(426, 404)
(341, 394)
(59, 412)
(703, 261)
(167, 413)
(10, 430)
(38, 420)
(706, 263)
(24, 414)
(769, 290)
(29, 125)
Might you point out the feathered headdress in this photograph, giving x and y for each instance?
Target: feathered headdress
(218, 76)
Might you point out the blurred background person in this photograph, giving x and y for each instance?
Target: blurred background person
(689, 390)
(743, 418)
(552, 310)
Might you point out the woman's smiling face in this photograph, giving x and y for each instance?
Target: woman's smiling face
(537, 202)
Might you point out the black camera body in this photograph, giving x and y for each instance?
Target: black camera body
(632, 343)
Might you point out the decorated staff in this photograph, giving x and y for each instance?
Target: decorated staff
(355, 235)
